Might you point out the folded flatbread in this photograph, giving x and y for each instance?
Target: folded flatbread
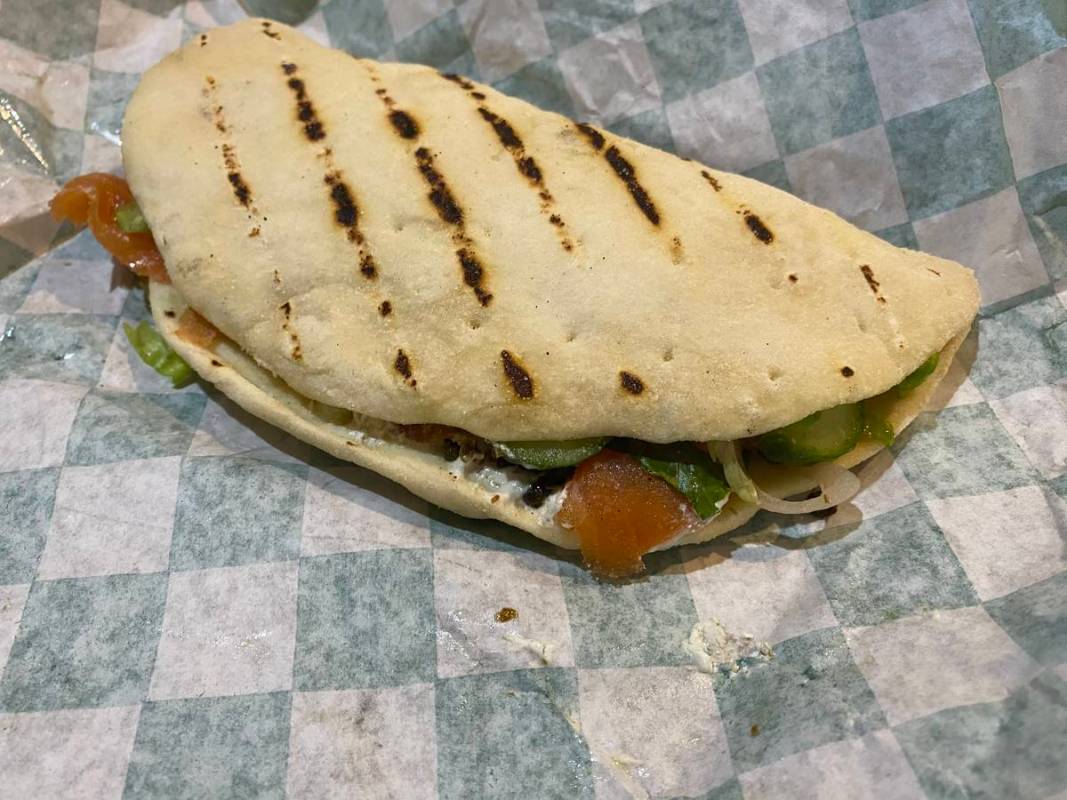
(421, 250)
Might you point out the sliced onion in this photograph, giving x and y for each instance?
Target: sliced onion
(837, 485)
(743, 486)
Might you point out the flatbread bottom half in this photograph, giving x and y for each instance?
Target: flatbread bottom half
(430, 476)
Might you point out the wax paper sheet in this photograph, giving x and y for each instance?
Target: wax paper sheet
(195, 605)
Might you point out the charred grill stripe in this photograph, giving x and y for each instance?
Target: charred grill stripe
(345, 211)
(625, 170)
(368, 267)
(345, 208)
(521, 382)
(473, 273)
(595, 137)
(513, 144)
(631, 383)
(712, 180)
(440, 196)
(503, 129)
(868, 275)
(294, 342)
(241, 189)
(526, 164)
(385, 308)
(203, 39)
(628, 175)
(443, 201)
(529, 168)
(305, 111)
(458, 79)
(402, 365)
(759, 230)
(268, 32)
(404, 124)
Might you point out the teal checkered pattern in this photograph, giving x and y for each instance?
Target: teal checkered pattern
(194, 604)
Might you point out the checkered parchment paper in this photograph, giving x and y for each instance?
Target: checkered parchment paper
(193, 604)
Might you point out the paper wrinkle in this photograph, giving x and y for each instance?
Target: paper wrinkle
(1034, 105)
(611, 76)
(130, 40)
(56, 89)
(505, 35)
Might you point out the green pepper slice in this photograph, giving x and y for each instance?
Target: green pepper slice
(821, 436)
(549, 455)
(157, 354)
(925, 370)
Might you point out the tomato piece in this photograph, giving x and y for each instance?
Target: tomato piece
(620, 511)
(194, 329)
(93, 200)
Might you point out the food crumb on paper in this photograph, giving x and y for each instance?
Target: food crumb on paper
(715, 649)
(542, 650)
(506, 614)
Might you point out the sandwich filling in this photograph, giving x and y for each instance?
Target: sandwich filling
(621, 497)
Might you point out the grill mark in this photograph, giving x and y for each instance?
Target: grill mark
(930, 269)
(473, 273)
(443, 201)
(404, 124)
(203, 40)
(868, 275)
(526, 164)
(503, 129)
(345, 208)
(294, 342)
(712, 180)
(625, 170)
(521, 382)
(241, 190)
(268, 32)
(848, 372)
(385, 308)
(305, 111)
(759, 230)
(440, 196)
(631, 383)
(595, 137)
(402, 364)
(451, 76)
